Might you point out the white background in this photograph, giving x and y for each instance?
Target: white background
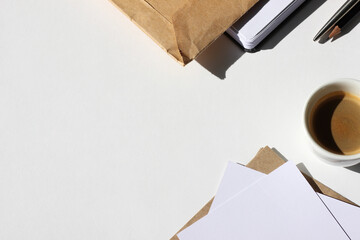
(104, 136)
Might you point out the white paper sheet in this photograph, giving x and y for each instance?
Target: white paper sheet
(238, 177)
(347, 215)
(281, 205)
(235, 179)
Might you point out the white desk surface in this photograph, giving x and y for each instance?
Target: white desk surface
(104, 136)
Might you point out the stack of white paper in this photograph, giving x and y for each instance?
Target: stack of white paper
(281, 205)
(261, 20)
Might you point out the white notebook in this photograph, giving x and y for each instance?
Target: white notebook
(261, 20)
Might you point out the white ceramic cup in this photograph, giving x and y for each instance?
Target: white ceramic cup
(347, 85)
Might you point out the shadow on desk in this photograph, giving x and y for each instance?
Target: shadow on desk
(224, 52)
(294, 20)
(355, 168)
(349, 27)
(220, 55)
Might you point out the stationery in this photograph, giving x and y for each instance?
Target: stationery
(282, 203)
(343, 11)
(346, 214)
(343, 21)
(237, 177)
(261, 20)
(266, 161)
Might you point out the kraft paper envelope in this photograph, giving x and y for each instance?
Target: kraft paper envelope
(184, 28)
(265, 161)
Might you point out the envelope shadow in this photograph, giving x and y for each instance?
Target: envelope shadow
(220, 55)
(224, 52)
(294, 20)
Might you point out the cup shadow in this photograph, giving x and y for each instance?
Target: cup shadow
(355, 168)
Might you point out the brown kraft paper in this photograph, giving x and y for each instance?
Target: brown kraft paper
(184, 28)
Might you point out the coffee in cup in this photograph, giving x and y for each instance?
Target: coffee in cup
(333, 122)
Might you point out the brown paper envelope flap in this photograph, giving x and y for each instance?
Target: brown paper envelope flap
(184, 28)
(199, 22)
(265, 161)
(153, 24)
(166, 8)
(203, 212)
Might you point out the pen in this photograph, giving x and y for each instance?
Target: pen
(348, 5)
(342, 22)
